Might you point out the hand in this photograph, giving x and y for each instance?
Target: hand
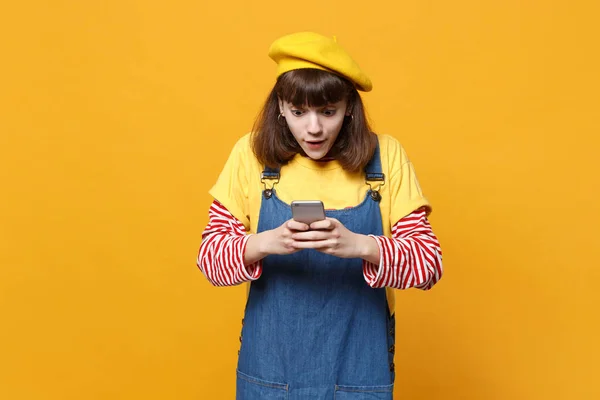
(274, 241)
(330, 236)
(280, 240)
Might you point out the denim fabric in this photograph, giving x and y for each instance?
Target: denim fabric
(313, 328)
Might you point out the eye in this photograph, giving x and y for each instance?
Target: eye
(297, 113)
(329, 113)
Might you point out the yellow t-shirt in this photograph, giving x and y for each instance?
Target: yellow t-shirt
(239, 187)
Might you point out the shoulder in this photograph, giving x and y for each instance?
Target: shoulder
(243, 145)
(242, 152)
(391, 150)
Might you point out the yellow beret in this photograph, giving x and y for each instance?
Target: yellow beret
(311, 50)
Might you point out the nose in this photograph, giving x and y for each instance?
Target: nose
(314, 124)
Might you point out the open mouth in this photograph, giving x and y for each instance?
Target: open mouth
(315, 144)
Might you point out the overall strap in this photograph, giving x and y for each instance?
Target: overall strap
(374, 172)
(373, 168)
(269, 174)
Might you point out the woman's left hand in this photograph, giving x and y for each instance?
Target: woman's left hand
(330, 236)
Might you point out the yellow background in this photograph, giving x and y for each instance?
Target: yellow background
(116, 117)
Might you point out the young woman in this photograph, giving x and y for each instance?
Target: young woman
(319, 319)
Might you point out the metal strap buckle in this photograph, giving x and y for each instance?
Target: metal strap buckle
(268, 192)
(377, 177)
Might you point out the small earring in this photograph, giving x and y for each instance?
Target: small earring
(351, 118)
(281, 121)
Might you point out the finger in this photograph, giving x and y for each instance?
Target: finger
(311, 235)
(288, 243)
(326, 224)
(296, 226)
(312, 244)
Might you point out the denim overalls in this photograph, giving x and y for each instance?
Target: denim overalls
(313, 328)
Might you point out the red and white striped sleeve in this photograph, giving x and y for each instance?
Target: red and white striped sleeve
(411, 258)
(221, 255)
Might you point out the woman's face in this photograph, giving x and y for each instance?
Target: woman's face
(315, 128)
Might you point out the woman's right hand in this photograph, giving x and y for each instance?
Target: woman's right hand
(274, 241)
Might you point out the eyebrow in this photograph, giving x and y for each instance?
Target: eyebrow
(332, 105)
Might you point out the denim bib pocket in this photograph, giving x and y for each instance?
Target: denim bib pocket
(380, 392)
(250, 387)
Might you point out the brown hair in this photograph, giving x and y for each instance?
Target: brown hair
(274, 144)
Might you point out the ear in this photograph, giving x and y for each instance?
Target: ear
(280, 104)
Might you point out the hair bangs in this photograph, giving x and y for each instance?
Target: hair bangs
(312, 87)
